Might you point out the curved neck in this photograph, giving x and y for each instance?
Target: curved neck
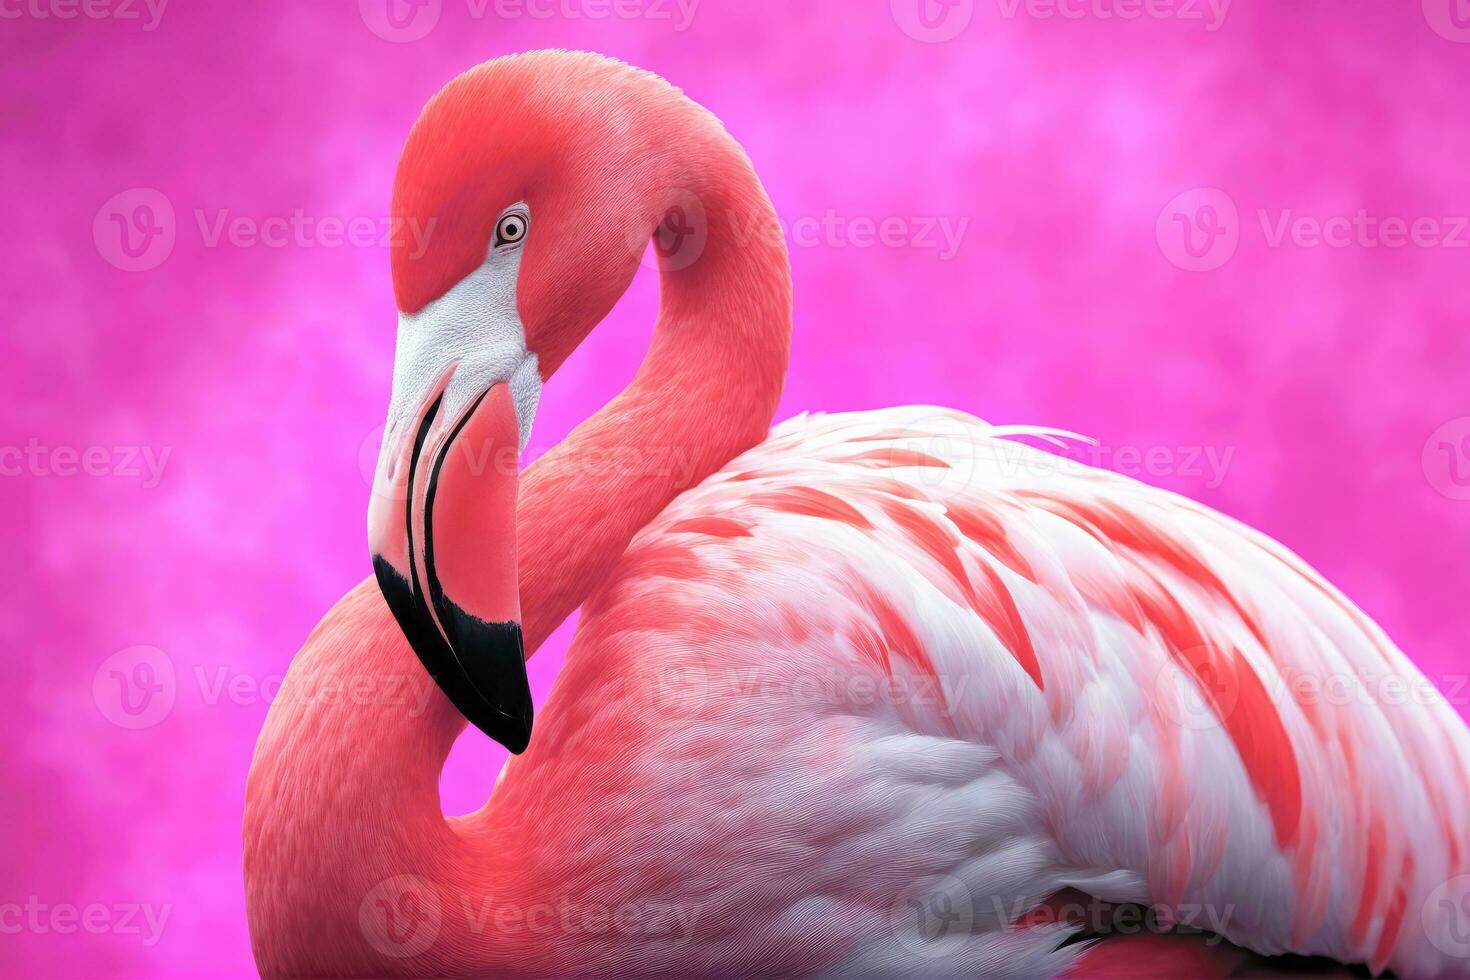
(706, 392)
(343, 792)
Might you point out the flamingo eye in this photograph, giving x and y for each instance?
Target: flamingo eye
(511, 229)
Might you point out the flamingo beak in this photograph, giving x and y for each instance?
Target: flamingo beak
(441, 526)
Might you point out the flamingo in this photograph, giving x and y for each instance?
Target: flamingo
(890, 693)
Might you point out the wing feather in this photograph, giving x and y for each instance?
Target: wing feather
(1197, 716)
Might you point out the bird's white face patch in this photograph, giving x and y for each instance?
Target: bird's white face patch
(476, 329)
(441, 521)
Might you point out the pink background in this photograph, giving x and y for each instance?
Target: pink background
(264, 371)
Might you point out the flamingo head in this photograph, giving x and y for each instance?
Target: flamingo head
(530, 188)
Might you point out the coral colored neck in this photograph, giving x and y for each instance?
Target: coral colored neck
(343, 792)
(706, 392)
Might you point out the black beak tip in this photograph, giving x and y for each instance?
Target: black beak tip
(512, 732)
(515, 737)
(483, 668)
(493, 659)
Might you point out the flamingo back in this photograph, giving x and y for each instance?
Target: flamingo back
(986, 674)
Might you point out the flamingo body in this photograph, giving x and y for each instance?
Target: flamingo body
(865, 695)
(893, 646)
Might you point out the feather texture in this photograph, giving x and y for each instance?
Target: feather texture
(1004, 674)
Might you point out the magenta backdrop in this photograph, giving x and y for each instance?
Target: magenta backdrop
(184, 443)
